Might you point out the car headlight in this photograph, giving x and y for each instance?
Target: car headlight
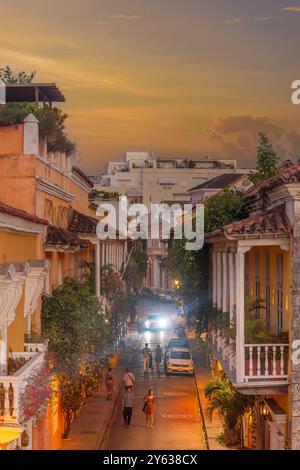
(147, 324)
(163, 322)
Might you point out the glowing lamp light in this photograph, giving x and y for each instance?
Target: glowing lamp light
(263, 409)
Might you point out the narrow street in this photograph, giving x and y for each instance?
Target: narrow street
(177, 423)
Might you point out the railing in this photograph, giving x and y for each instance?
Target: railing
(36, 347)
(264, 363)
(11, 386)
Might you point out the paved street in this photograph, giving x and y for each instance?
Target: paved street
(177, 422)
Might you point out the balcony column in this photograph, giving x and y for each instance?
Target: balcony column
(219, 279)
(98, 269)
(231, 276)
(102, 254)
(219, 293)
(240, 314)
(224, 296)
(110, 253)
(224, 282)
(214, 293)
(3, 350)
(118, 256)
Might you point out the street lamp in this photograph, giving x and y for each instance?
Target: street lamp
(177, 283)
(263, 409)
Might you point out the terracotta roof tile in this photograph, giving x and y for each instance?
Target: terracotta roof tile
(82, 223)
(288, 172)
(274, 222)
(63, 238)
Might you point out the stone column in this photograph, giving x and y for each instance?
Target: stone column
(31, 135)
(2, 92)
(214, 295)
(240, 316)
(3, 350)
(224, 283)
(231, 280)
(97, 270)
(59, 270)
(219, 279)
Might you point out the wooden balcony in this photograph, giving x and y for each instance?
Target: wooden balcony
(264, 365)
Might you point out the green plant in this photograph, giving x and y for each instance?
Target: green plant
(72, 321)
(231, 406)
(51, 119)
(9, 76)
(267, 161)
(72, 398)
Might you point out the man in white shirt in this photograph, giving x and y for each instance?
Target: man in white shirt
(146, 356)
(128, 378)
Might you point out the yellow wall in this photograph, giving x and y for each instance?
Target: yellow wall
(16, 331)
(17, 247)
(273, 251)
(282, 400)
(14, 248)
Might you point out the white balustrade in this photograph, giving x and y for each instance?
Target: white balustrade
(14, 384)
(266, 362)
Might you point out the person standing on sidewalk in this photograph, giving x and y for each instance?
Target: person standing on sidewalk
(128, 378)
(158, 355)
(146, 356)
(109, 384)
(127, 405)
(148, 408)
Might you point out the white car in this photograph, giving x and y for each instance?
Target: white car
(180, 361)
(155, 321)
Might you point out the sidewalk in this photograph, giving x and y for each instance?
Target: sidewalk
(88, 430)
(213, 427)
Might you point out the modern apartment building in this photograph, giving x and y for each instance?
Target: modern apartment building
(153, 179)
(144, 177)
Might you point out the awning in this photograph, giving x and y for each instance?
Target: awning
(33, 92)
(9, 433)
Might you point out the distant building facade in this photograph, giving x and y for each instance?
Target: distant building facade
(153, 179)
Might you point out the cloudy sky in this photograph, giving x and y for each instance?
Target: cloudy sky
(178, 77)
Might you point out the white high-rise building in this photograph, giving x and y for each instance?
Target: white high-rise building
(151, 179)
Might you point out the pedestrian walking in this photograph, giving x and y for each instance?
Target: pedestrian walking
(148, 408)
(109, 384)
(158, 357)
(151, 361)
(146, 356)
(127, 405)
(128, 378)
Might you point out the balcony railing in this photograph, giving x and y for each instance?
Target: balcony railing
(11, 386)
(267, 362)
(263, 363)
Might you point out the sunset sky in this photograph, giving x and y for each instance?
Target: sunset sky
(177, 77)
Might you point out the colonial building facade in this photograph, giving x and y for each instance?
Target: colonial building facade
(47, 233)
(256, 261)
